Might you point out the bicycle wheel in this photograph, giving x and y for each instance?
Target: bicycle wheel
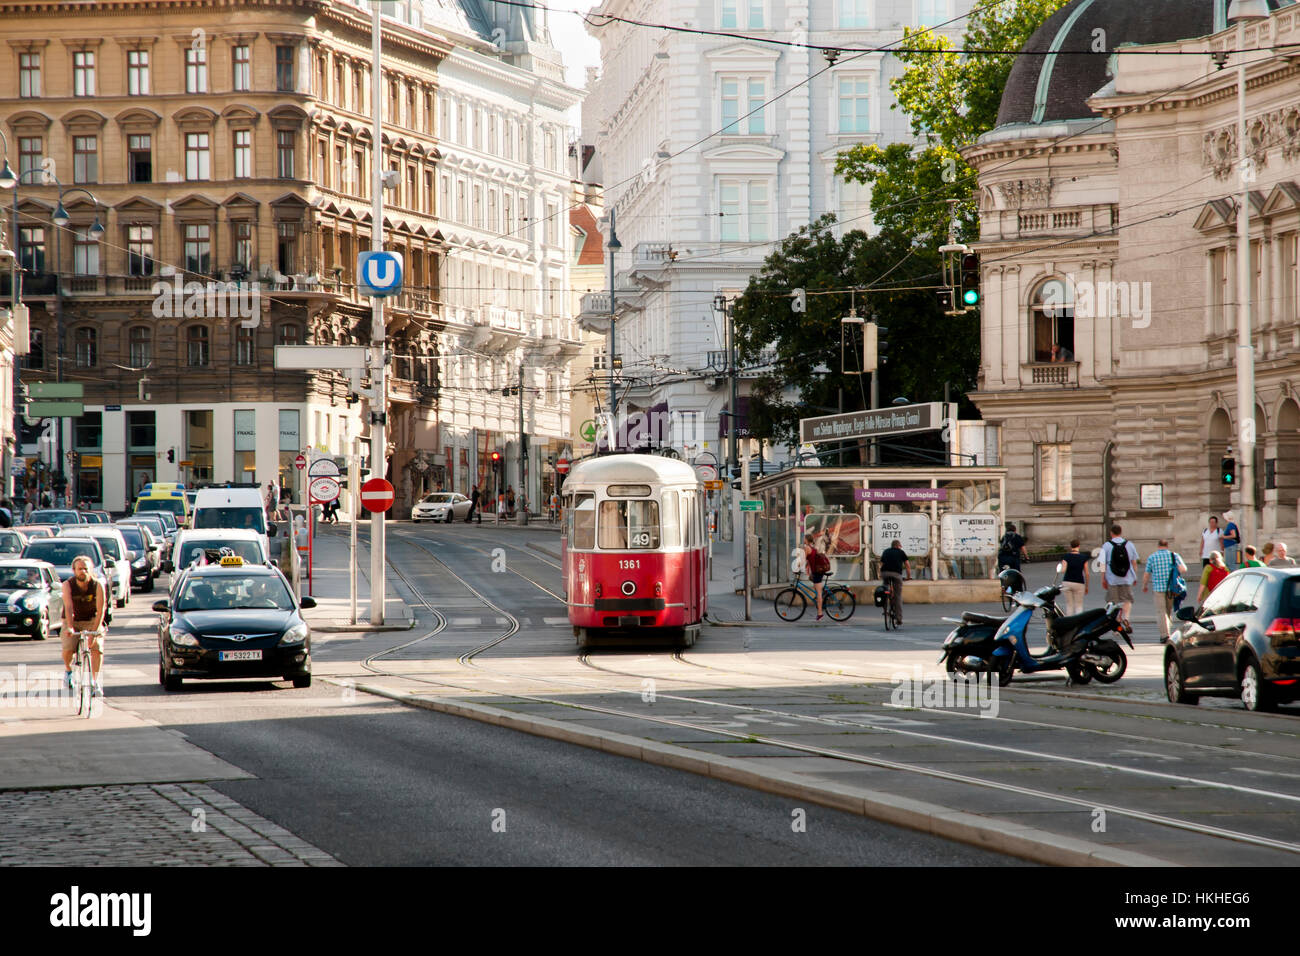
(889, 612)
(839, 603)
(85, 700)
(790, 604)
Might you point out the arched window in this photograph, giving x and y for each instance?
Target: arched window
(141, 346)
(198, 352)
(1051, 319)
(289, 334)
(86, 345)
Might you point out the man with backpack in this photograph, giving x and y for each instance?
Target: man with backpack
(1012, 549)
(1120, 558)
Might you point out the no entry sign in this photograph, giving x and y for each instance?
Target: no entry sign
(377, 495)
(562, 466)
(300, 462)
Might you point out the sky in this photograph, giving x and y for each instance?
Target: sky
(570, 37)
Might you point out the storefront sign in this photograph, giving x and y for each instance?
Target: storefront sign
(1152, 496)
(900, 494)
(876, 423)
(968, 536)
(838, 535)
(911, 531)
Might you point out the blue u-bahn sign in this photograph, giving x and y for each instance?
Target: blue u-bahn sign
(379, 273)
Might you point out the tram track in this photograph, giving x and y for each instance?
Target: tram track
(466, 659)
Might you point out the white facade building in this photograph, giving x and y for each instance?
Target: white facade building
(708, 163)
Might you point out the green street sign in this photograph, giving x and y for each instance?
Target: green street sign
(73, 390)
(588, 431)
(55, 409)
(751, 504)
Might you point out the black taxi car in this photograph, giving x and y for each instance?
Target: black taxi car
(233, 620)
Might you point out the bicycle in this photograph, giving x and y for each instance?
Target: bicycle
(837, 600)
(84, 678)
(892, 621)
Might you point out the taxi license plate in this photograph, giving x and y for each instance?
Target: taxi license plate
(240, 655)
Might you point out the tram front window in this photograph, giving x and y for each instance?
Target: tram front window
(629, 525)
(583, 515)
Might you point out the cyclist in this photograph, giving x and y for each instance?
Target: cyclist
(83, 610)
(893, 565)
(818, 566)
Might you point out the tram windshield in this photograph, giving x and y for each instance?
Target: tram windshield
(582, 514)
(629, 525)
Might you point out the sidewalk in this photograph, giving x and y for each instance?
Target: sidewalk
(330, 586)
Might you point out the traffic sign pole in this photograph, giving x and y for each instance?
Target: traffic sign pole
(354, 503)
(379, 405)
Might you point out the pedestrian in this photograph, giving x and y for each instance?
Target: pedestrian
(1076, 581)
(1231, 542)
(1162, 576)
(893, 564)
(1251, 561)
(1213, 572)
(501, 506)
(1280, 560)
(510, 500)
(271, 503)
(1119, 558)
(475, 499)
(1267, 554)
(1011, 549)
(1211, 541)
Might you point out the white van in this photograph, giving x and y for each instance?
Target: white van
(238, 508)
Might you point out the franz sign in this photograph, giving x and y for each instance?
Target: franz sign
(877, 422)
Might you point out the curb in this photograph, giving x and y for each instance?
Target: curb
(346, 629)
(1027, 843)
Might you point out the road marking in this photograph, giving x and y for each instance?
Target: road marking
(555, 620)
(1143, 753)
(1267, 773)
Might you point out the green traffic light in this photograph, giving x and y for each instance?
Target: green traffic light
(971, 297)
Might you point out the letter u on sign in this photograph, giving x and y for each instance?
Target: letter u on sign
(380, 273)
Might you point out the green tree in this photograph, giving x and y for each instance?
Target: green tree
(950, 99)
(925, 347)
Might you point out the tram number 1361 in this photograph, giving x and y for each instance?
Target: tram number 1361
(629, 565)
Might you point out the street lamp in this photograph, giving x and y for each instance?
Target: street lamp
(613, 246)
(1240, 12)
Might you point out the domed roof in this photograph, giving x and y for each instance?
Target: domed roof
(1054, 84)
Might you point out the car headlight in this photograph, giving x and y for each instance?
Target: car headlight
(140, 563)
(31, 603)
(296, 634)
(182, 638)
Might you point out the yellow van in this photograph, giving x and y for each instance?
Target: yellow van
(173, 501)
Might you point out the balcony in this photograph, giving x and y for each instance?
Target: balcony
(1062, 374)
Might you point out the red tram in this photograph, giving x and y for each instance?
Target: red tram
(635, 554)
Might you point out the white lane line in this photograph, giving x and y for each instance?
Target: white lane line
(555, 620)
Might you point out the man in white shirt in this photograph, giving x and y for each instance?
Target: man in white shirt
(1211, 540)
(1119, 587)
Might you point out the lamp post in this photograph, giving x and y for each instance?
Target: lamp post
(9, 180)
(613, 246)
(1240, 12)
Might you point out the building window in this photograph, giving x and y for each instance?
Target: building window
(137, 72)
(86, 347)
(742, 105)
(287, 247)
(139, 250)
(139, 158)
(141, 346)
(31, 248)
(243, 141)
(85, 159)
(83, 73)
(241, 243)
(141, 428)
(284, 74)
(196, 346)
(288, 334)
(358, 173)
(855, 104)
(745, 210)
(854, 14)
(197, 158)
(1054, 474)
(242, 69)
(738, 13)
(356, 92)
(1053, 319)
(29, 74)
(198, 248)
(931, 13)
(284, 145)
(30, 149)
(35, 358)
(196, 70)
(340, 91)
(85, 253)
(198, 444)
(245, 345)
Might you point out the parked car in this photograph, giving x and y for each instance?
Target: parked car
(440, 506)
(31, 598)
(158, 528)
(115, 549)
(61, 552)
(233, 620)
(1244, 641)
(56, 516)
(33, 531)
(12, 541)
(145, 554)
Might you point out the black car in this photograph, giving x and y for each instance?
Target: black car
(31, 599)
(233, 620)
(1242, 642)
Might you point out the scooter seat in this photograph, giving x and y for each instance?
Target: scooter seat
(1076, 621)
(975, 617)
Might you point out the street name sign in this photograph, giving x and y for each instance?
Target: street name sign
(55, 409)
(900, 494)
(56, 390)
(751, 504)
(877, 423)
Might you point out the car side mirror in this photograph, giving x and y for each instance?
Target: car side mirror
(307, 603)
(162, 607)
(1186, 614)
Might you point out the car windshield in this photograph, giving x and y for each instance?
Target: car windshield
(10, 543)
(196, 548)
(109, 547)
(91, 518)
(133, 538)
(169, 506)
(231, 592)
(61, 551)
(37, 533)
(437, 498)
(253, 519)
(55, 517)
(20, 578)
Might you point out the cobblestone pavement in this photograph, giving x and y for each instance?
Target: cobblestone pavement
(185, 824)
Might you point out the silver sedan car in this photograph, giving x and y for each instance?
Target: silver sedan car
(440, 506)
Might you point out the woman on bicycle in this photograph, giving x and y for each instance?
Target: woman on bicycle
(818, 566)
(83, 610)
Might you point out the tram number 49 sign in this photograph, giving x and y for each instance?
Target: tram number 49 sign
(377, 495)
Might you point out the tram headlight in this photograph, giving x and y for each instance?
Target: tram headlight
(659, 589)
(597, 589)
(629, 587)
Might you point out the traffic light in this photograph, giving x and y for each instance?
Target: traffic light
(352, 399)
(171, 454)
(1228, 470)
(970, 281)
(948, 301)
(496, 461)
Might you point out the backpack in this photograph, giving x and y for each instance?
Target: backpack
(1119, 562)
(820, 563)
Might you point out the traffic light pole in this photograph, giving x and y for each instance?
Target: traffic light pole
(378, 378)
